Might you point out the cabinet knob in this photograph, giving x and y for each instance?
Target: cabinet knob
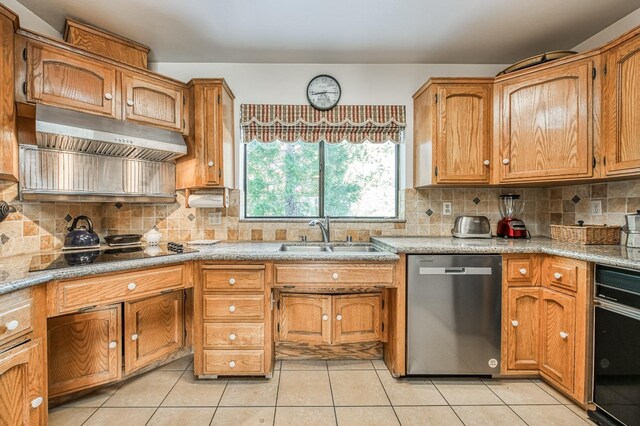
(486, 162)
(325, 317)
(37, 402)
(232, 308)
(232, 281)
(505, 161)
(564, 335)
(232, 336)
(131, 286)
(134, 336)
(557, 275)
(210, 164)
(339, 317)
(130, 102)
(232, 364)
(112, 345)
(108, 96)
(12, 325)
(515, 323)
(335, 276)
(523, 271)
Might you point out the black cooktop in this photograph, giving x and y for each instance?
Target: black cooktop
(68, 259)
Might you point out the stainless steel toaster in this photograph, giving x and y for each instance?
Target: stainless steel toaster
(471, 227)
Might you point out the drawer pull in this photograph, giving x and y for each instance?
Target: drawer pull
(232, 364)
(325, 317)
(486, 162)
(564, 335)
(557, 275)
(112, 345)
(232, 336)
(232, 308)
(130, 102)
(232, 281)
(505, 161)
(37, 402)
(108, 96)
(339, 317)
(334, 276)
(515, 323)
(131, 286)
(134, 336)
(523, 271)
(12, 325)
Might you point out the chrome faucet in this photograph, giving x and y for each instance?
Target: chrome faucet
(324, 227)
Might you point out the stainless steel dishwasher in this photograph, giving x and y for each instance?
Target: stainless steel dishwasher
(454, 305)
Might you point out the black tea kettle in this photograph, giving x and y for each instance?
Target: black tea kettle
(79, 237)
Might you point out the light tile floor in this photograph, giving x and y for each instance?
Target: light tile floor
(318, 393)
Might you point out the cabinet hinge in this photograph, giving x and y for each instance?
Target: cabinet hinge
(24, 87)
(435, 98)
(436, 171)
(593, 163)
(278, 328)
(184, 333)
(219, 173)
(184, 99)
(604, 161)
(219, 99)
(24, 54)
(382, 304)
(184, 123)
(278, 304)
(382, 326)
(605, 70)
(593, 73)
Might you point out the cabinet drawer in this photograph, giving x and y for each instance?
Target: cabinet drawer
(232, 307)
(15, 320)
(562, 274)
(214, 278)
(233, 334)
(331, 275)
(233, 362)
(101, 290)
(519, 270)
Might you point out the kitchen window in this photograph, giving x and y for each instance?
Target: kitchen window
(300, 162)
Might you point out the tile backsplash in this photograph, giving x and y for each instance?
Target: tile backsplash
(42, 226)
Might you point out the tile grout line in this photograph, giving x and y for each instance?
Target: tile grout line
(447, 401)
(215, 411)
(275, 409)
(165, 397)
(387, 395)
(512, 410)
(333, 401)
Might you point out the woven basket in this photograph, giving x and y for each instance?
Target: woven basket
(586, 234)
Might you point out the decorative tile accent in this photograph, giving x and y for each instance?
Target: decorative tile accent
(576, 199)
(4, 239)
(191, 217)
(476, 201)
(68, 218)
(118, 205)
(429, 212)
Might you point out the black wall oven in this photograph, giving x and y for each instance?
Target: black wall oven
(616, 372)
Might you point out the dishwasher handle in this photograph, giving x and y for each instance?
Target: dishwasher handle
(456, 271)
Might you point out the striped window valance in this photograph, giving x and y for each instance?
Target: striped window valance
(293, 123)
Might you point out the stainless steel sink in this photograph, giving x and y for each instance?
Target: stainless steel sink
(304, 249)
(309, 248)
(355, 249)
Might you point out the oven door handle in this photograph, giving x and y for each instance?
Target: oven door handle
(617, 308)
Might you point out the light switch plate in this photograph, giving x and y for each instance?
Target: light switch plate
(446, 209)
(215, 218)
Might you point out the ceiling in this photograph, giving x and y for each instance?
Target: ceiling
(343, 31)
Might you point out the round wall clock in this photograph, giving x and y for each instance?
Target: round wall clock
(323, 92)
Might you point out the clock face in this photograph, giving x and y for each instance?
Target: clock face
(323, 92)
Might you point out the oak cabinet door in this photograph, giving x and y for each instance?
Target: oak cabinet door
(546, 124)
(558, 337)
(8, 136)
(305, 318)
(523, 328)
(64, 79)
(357, 318)
(22, 397)
(464, 129)
(150, 101)
(621, 109)
(84, 350)
(153, 329)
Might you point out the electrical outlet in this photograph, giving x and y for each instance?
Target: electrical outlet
(446, 209)
(596, 207)
(215, 218)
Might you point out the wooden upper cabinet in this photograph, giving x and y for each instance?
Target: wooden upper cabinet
(463, 133)
(545, 124)
(150, 101)
(22, 386)
(305, 318)
(153, 329)
(621, 108)
(357, 318)
(8, 141)
(84, 350)
(558, 338)
(522, 323)
(68, 80)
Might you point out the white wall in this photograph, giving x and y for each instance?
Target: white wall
(361, 84)
(30, 20)
(614, 30)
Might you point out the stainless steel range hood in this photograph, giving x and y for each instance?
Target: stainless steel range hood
(82, 157)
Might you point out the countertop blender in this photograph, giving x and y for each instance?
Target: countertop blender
(510, 226)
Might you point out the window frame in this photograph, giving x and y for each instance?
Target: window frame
(321, 192)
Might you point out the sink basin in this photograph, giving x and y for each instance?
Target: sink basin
(354, 249)
(304, 249)
(328, 249)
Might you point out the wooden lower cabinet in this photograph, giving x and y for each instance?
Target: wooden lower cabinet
(357, 318)
(558, 339)
(22, 385)
(522, 319)
(84, 350)
(305, 318)
(153, 329)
